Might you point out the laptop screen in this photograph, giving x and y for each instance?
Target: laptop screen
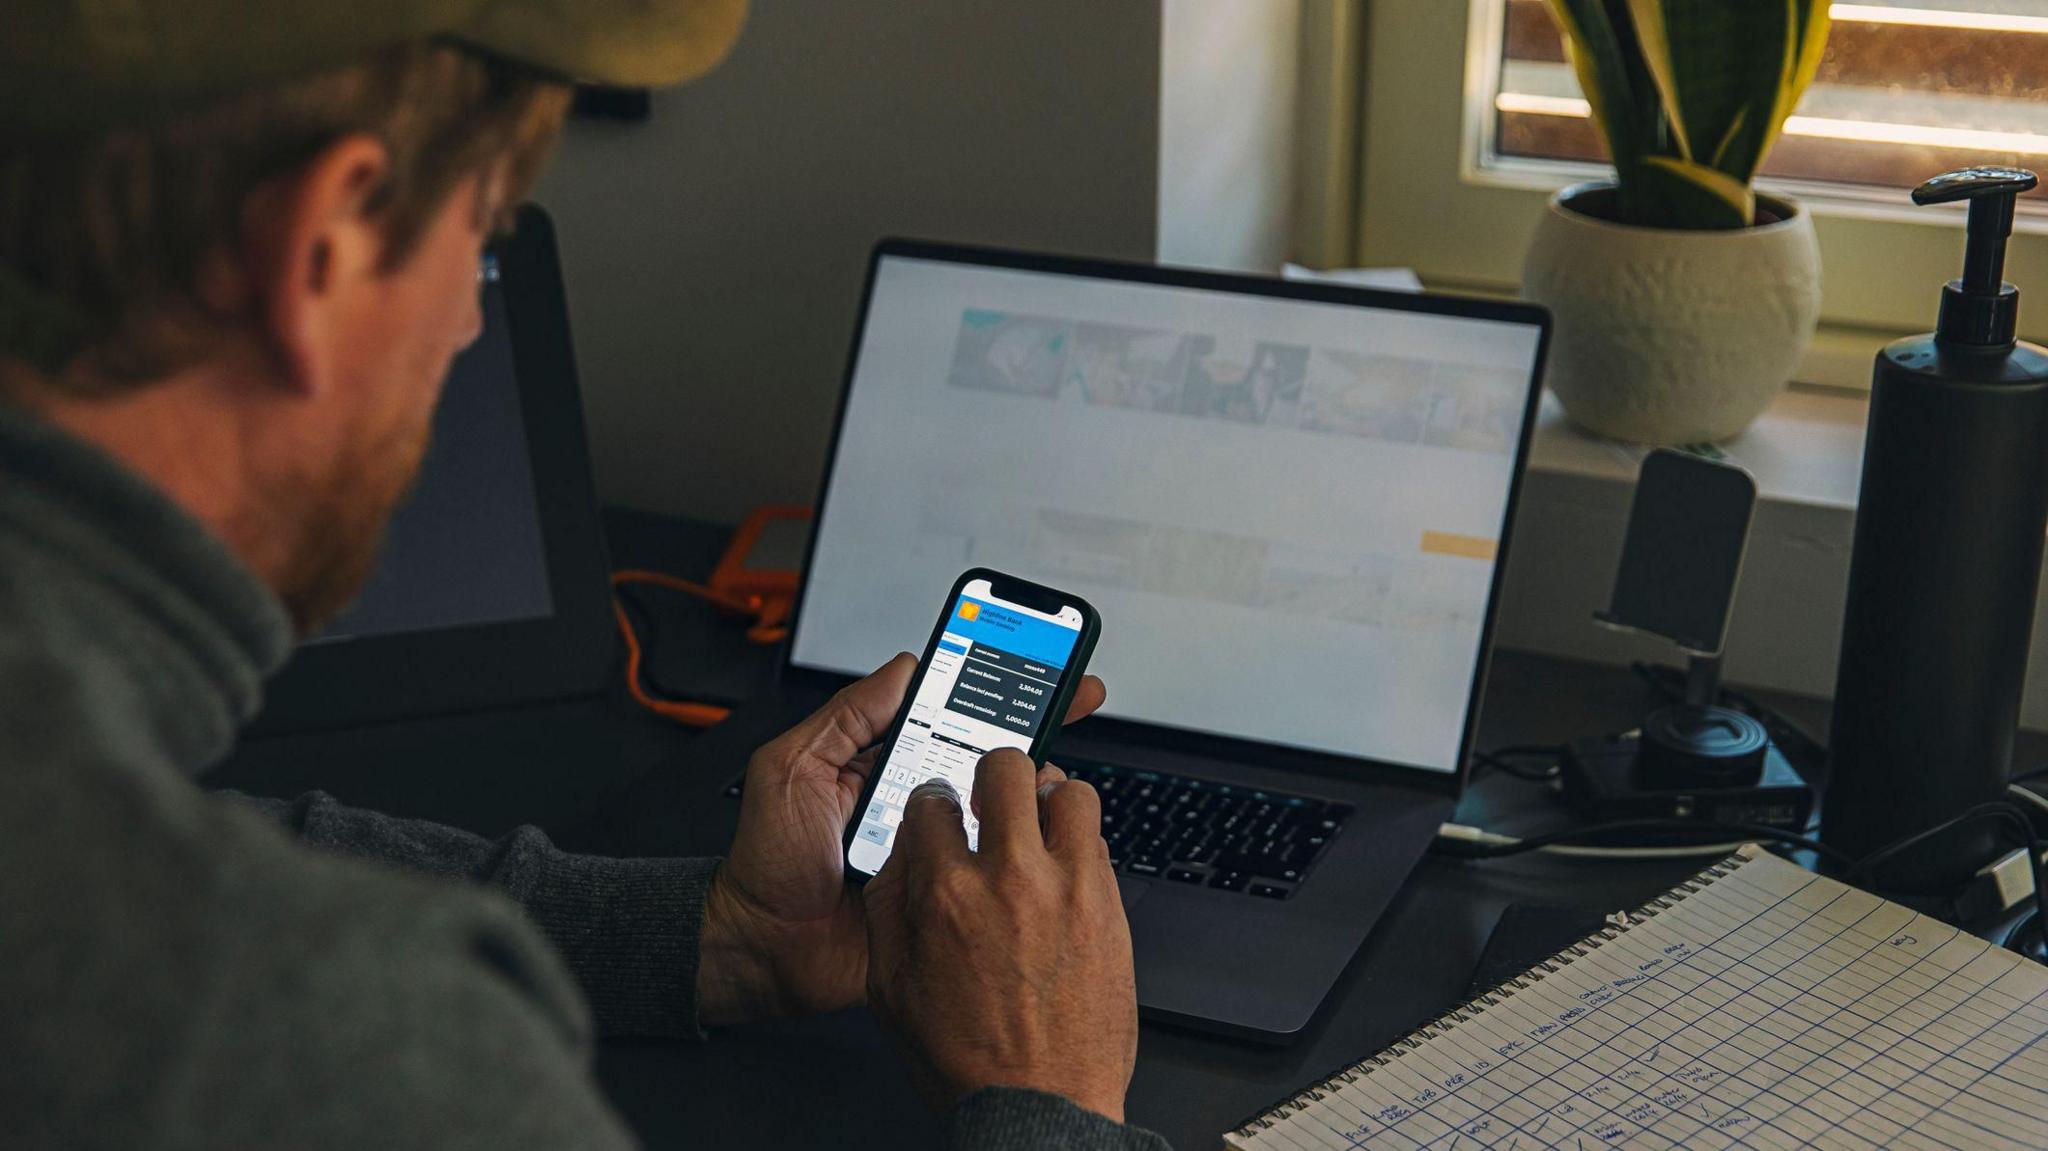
(1286, 511)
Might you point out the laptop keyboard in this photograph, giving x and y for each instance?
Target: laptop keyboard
(1214, 835)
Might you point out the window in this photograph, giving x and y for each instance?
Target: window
(1470, 124)
(1908, 88)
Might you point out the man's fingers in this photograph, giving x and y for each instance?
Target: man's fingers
(884, 910)
(932, 835)
(1006, 800)
(857, 718)
(1088, 695)
(1049, 777)
(1073, 818)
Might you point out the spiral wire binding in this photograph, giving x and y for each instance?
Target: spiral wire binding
(1479, 1004)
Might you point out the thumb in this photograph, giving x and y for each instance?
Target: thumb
(855, 719)
(933, 836)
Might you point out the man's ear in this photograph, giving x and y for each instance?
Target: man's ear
(310, 247)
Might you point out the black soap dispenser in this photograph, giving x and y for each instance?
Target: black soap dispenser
(1947, 558)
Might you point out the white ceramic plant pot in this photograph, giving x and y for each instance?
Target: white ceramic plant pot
(1669, 337)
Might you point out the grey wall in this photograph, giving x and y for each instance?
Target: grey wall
(1227, 108)
(714, 254)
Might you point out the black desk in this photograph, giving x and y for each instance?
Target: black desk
(650, 788)
(821, 1083)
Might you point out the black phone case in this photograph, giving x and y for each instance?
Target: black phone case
(1062, 698)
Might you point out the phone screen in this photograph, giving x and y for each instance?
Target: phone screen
(989, 684)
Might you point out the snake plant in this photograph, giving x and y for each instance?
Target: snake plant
(1690, 95)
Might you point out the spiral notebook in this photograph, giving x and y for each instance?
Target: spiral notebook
(1755, 1006)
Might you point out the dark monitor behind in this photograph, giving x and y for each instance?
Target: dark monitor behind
(491, 589)
(466, 548)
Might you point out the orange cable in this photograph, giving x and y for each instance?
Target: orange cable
(662, 579)
(767, 628)
(687, 714)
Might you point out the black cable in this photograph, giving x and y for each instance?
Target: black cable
(1540, 775)
(2029, 937)
(1790, 738)
(1519, 749)
(2018, 939)
(2025, 938)
(1693, 831)
(2006, 811)
(2002, 810)
(1503, 760)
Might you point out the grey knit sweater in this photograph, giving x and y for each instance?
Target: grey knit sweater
(176, 972)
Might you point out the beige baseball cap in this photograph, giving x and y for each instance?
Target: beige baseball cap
(70, 67)
(78, 65)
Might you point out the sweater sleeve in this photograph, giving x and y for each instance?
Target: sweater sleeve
(629, 928)
(1016, 1119)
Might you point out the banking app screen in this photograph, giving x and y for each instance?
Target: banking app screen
(989, 685)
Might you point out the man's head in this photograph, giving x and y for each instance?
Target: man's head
(251, 295)
(279, 281)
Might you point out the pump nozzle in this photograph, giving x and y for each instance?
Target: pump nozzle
(1981, 309)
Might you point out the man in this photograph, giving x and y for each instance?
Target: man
(239, 243)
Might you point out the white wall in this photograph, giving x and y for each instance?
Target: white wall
(1227, 132)
(714, 254)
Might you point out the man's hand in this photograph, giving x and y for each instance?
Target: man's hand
(1010, 966)
(782, 929)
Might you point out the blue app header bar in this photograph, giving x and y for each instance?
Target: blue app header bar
(1028, 636)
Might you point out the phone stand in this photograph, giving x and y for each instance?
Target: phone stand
(1699, 743)
(1694, 759)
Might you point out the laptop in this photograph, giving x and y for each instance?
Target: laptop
(477, 659)
(1291, 503)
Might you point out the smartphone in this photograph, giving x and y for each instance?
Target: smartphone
(1000, 671)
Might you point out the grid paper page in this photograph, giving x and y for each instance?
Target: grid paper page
(1759, 1006)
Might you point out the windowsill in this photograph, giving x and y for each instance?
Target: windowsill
(1807, 449)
